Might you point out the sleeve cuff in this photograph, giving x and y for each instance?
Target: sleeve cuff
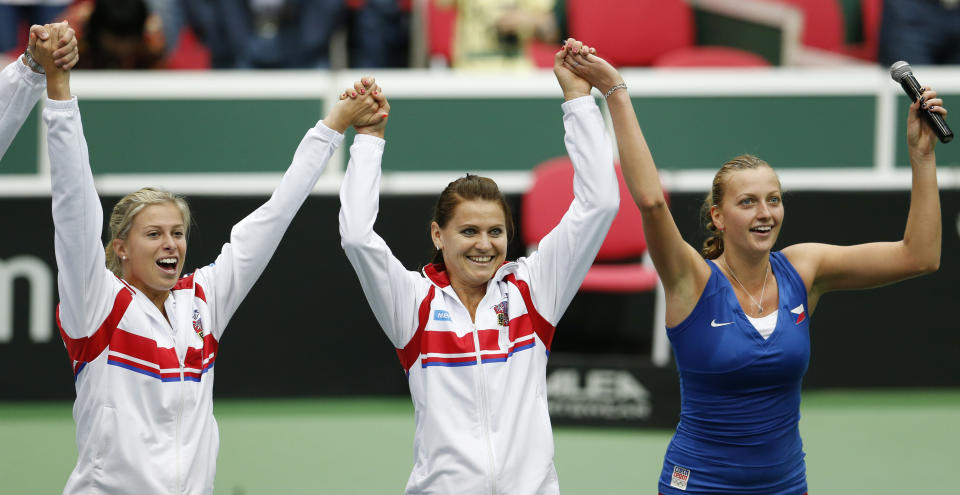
(586, 101)
(334, 136)
(61, 105)
(32, 77)
(368, 139)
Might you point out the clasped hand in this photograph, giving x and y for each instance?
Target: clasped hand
(362, 106)
(54, 46)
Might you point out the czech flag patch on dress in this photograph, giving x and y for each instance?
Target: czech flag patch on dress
(801, 314)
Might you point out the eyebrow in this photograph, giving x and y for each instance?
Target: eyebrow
(154, 226)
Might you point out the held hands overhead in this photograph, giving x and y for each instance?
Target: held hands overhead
(63, 53)
(56, 55)
(362, 106)
(572, 85)
(581, 61)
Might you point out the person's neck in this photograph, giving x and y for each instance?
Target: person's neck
(749, 268)
(156, 297)
(470, 297)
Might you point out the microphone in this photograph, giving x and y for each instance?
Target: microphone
(901, 73)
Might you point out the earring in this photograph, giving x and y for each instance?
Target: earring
(123, 258)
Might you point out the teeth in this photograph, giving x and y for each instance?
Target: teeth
(762, 229)
(480, 259)
(167, 261)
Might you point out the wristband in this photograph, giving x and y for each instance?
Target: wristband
(34, 65)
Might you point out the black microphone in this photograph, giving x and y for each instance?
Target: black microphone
(901, 73)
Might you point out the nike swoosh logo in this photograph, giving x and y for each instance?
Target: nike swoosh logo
(714, 323)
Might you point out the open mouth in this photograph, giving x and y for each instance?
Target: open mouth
(168, 265)
(763, 229)
(480, 259)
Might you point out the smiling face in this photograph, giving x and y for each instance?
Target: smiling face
(153, 251)
(750, 213)
(473, 242)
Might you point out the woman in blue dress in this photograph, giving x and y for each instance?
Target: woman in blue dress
(738, 313)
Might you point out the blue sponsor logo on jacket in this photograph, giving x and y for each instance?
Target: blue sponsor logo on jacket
(441, 315)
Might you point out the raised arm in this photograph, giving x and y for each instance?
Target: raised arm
(679, 265)
(564, 256)
(826, 268)
(82, 278)
(391, 290)
(255, 238)
(22, 82)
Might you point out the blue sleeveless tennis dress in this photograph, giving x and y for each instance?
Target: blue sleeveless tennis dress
(740, 406)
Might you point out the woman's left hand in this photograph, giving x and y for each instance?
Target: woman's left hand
(573, 86)
(921, 139)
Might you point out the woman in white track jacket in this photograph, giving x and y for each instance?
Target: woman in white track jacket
(142, 340)
(473, 332)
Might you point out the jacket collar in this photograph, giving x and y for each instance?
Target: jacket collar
(437, 273)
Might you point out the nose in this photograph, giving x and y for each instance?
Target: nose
(483, 241)
(764, 210)
(169, 243)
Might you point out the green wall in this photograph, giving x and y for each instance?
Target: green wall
(805, 132)
(473, 134)
(21, 157)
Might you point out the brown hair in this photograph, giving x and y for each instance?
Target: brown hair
(713, 246)
(121, 218)
(467, 188)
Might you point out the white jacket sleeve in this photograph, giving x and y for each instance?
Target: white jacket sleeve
(83, 282)
(391, 289)
(564, 256)
(20, 88)
(254, 239)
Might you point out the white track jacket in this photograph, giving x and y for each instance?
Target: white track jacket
(20, 88)
(479, 387)
(144, 408)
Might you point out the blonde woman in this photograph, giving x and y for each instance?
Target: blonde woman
(738, 312)
(144, 341)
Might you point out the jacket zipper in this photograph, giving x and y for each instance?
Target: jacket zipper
(177, 438)
(484, 414)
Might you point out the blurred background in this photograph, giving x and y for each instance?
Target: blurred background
(209, 98)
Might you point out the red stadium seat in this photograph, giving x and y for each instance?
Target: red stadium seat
(823, 25)
(710, 56)
(620, 268)
(641, 32)
(440, 25)
(621, 265)
(870, 16)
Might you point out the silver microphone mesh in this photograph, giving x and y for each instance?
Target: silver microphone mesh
(900, 69)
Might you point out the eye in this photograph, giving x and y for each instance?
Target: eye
(153, 233)
(496, 231)
(746, 201)
(178, 233)
(469, 231)
(774, 200)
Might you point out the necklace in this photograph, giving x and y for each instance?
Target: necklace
(762, 288)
